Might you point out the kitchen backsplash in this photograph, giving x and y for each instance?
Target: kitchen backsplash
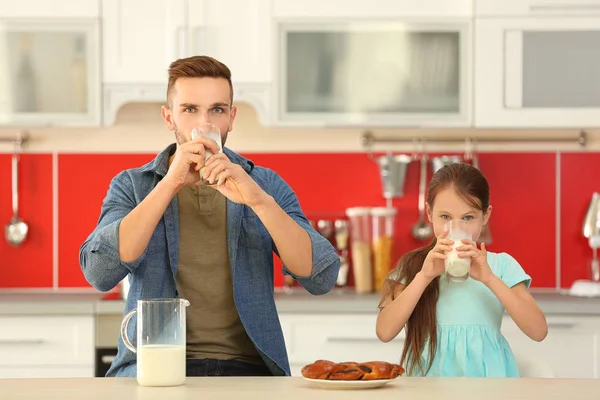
(539, 202)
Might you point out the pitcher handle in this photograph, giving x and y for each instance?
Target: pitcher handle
(124, 325)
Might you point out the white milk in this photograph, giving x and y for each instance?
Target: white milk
(457, 268)
(161, 365)
(216, 136)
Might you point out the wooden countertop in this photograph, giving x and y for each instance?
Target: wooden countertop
(261, 388)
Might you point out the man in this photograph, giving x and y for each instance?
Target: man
(210, 244)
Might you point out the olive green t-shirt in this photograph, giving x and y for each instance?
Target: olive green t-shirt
(213, 326)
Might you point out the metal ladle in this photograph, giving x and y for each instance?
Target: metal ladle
(16, 231)
(422, 230)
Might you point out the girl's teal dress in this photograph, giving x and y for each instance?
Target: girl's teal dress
(469, 317)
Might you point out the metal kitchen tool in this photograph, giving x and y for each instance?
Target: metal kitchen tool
(439, 162)
(392, 171)
(422, 230)
(591, 225)
(594, 244)
(16, 231)
(591, 230)
(325, 228)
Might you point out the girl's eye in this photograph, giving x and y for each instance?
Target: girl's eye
(189, 110)
(468, 217)
(445, 216)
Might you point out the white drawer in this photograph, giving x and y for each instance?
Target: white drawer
(571, 348)
(46, 340)
(340, 337)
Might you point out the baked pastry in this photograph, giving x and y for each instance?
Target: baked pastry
(320, 369)
(347, 371)
(380, 370)
(351, 371)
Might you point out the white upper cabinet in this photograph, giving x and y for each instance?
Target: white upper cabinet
(240, 39)
(50, 63)
(141, 38)
(352, 63)
(537, 72)
(49, 8)
(533, 8)
(366, 9)
(356, 72)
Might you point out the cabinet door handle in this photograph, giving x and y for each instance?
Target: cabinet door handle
(182, 42)
(21, 341)
(354, 340)
(107, 359)
(200, 40)
(541, 6)
(561, 325)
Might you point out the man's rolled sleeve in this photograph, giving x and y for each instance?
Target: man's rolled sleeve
(325, 259)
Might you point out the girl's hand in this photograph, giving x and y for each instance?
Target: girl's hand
(433, 266)
(480, 269)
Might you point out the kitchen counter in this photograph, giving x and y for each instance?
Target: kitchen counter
(296, 301)
(297, 388)
(345, 301)
(13, 303)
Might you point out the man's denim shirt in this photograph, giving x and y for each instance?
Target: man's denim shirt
(251, 248)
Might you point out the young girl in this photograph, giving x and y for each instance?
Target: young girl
(453, 328)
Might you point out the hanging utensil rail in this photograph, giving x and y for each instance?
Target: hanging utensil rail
(18, 139)
(369, 139)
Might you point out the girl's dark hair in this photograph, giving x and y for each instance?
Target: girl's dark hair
(421, 326)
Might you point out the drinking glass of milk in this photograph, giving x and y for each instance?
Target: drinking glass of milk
(160, 341)
(457, 268)
(213, 132)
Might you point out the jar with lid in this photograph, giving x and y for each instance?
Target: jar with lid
(360, 239)
(382, 220)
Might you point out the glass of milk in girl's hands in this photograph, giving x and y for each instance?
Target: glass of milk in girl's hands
(213, 132)
(457, 268)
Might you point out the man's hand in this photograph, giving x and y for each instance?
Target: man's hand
(232, 181)
(188, 160)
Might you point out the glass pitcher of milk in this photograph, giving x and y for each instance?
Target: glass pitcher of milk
(160, 341)
(458, 268)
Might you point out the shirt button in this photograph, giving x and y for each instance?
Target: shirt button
(203, 200)
(203, 187)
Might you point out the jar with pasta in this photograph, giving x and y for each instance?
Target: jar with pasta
(360, 244)
(382, 222)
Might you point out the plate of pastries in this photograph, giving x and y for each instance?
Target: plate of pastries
(351, 375)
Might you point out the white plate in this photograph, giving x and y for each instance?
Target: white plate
(349, 385)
